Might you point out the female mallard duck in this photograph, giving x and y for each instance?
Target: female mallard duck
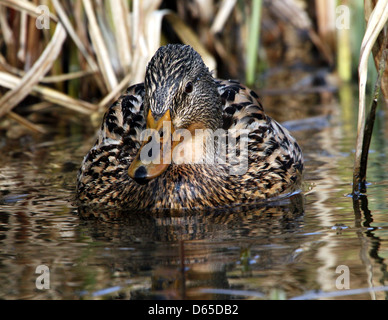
(183, 106)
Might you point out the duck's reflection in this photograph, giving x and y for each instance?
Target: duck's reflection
(267, 218)
(189, 250)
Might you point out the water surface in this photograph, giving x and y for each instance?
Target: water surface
(295, 248)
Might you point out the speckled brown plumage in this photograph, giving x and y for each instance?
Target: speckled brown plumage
(275, 161)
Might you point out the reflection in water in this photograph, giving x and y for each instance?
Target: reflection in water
(195, 249)
(371, 251)
(270, 218)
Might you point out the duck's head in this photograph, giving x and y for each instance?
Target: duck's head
(180, 96)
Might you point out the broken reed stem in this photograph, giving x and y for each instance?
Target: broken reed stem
(359, 186)
(359, 178)
(37, 72)
(45, 93)
(376, 23)
(28, 124)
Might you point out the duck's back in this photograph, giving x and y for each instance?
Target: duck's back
(275, 160)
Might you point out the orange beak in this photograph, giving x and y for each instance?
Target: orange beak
(154, 156)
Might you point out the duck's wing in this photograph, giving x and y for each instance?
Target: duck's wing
(241, 106)
(116, 146)
(274, 157)
(242, 109)
(124, 120)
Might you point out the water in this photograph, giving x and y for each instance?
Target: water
(319, 245)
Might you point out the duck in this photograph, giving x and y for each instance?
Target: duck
(184, 139)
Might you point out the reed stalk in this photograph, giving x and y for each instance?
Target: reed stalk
(377, 20)
(37, 72)
(253, 41)
(344, 49)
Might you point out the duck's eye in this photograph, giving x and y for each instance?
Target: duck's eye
(189, 87)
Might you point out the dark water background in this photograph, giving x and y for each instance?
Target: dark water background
(291, 249)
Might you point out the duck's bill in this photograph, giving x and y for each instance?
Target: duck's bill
(154, 156)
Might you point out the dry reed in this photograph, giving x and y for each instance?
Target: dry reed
(100, 47)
